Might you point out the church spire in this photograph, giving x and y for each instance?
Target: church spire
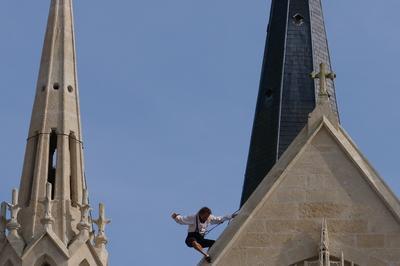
(54, 149)
(324, 257)
(53, 200)
(296, 46)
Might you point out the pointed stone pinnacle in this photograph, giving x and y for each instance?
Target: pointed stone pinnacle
(13, 225)
(101, 222)
(3, 220)
(48, 219)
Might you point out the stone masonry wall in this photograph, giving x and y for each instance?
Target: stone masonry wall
(323, 183)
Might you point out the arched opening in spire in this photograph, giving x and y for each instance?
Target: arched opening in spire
(45, 260)
(51, 174)
(8, 263)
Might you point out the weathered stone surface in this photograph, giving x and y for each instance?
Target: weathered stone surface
(340, 186)
(371, 241)
(50, 222)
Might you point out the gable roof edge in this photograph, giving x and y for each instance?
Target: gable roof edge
(264, 190)
(274, 177)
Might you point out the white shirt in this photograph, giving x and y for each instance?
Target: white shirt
(190, 220)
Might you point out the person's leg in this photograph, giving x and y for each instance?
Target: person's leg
(199, 248)
(195, 241)
(207, 243)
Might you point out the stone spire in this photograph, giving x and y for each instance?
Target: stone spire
(324, 257)
(54, 149)
(296, 46)
(53, 200)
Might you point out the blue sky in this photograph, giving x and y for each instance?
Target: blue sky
(168, 91)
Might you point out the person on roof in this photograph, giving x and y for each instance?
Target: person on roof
(197, 228)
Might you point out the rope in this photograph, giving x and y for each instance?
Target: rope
(215, 226)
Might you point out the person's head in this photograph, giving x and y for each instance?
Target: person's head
(204, 213)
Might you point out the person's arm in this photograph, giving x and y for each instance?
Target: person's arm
(185, 220)
(220, 219)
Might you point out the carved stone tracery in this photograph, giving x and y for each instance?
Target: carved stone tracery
(324, 258)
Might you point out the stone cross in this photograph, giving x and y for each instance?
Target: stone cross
(84, 226)
(102, 221)
(323, 75)
(84, 207)
(13, 225)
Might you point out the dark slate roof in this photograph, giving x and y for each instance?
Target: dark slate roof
(296, 45)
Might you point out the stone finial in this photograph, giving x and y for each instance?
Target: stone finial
(323, 75)
(324, 259)
(101, 223)
(48, 219)
(342, 259)
(84, 225)
(323, 106)
(3, 220)
(100, 239)
(13, 225)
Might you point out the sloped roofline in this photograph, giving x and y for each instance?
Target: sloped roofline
(53, 237)
(288, 159)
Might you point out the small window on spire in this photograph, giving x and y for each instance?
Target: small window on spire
(298, 19)
(269, 93)
(56, 86)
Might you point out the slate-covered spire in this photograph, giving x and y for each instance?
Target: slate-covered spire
(296, 46)
(54, 149)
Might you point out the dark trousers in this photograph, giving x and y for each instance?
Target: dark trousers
(205, 243)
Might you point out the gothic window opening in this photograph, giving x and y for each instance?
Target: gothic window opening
(51, 175)
(269, 93)
(45, 260)
(73, 168)
(8, 263)
(298, 19)
(56, 86)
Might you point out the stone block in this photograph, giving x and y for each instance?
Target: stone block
(278, 211)
(388, 254)
(392, 241)
(254, 240)
(256, 226)
(348, 226)
(320, 210)
(349, 240)
(292, 195)
(376, 262)
(371, 241)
